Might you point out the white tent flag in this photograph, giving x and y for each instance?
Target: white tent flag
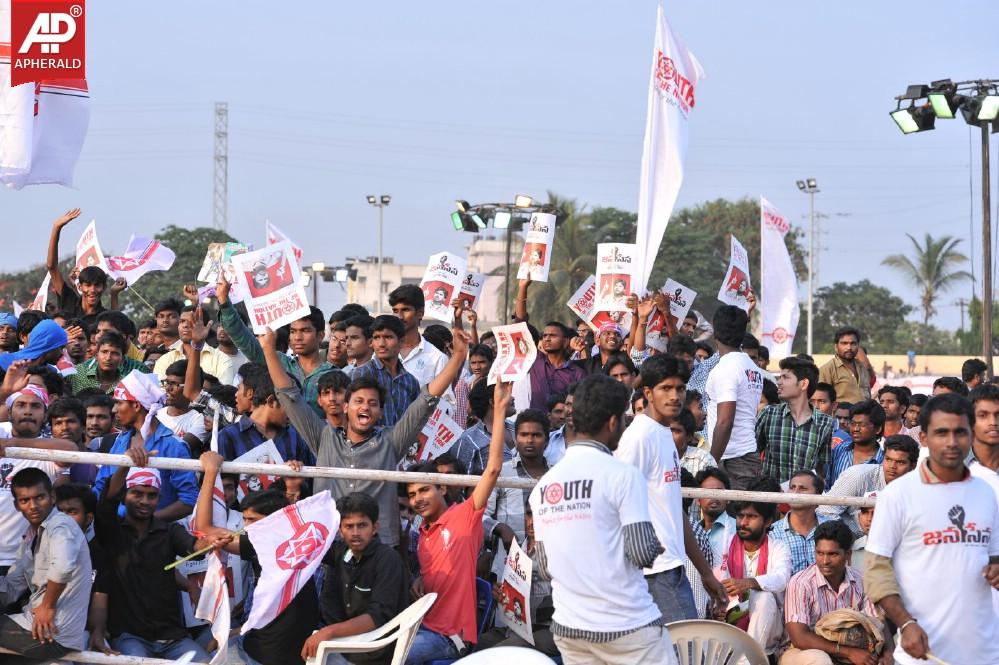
(736, 286)
(276, 235)
(675, 73)
(779, 303)
(141, 256)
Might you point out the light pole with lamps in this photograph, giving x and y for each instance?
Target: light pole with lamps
(380, 203)
(810, 187)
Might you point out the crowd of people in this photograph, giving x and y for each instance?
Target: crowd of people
(609, 428)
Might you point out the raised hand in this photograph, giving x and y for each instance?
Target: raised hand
(645, 307)
(459, 342)
(751, 301)
(16, 378)
(268, 340)
(632, 302)
(119, 285)
(200, 329)
(66, 218)
(222, 289)
(191, 292)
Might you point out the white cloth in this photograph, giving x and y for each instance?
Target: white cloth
(735, 378)
(192, 422)
(649, 447)
(779, 308)
(779, 567)
(12, 523)
(939, 532)
(144, 389)
(992, 478)
(587, 499)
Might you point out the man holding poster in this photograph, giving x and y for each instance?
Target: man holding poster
(441, 282)
(780, 286)
(615, 276)
(736, 287)
(538, 241)
(270, 279)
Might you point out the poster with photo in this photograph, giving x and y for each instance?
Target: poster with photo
(88, 249)
(583, 303)
(265, 453)
(539, 239)
(437, 436)
(680, 298)
(271, 285)
(515, 592)
(471, 288)
(515, 353)
(218, 261)
(736, 286)
(441, 284)
(615, 277)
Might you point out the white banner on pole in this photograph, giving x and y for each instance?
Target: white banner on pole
(274, 235)
(736, 286)
(779, 303)
(675, 73)
(441, 283)
(583, 303)
(140, 257)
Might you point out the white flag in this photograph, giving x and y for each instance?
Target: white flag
(290, 544)
(42, 297)
(141, 256)
(675, 73)
(736, 286)
(276, 235)
(779, 304)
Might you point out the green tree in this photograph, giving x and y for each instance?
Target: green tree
(931, 268)
(874, 310)
(971, 340)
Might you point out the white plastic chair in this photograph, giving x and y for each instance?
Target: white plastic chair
(506, 656)
(703, 642)
(401, 630)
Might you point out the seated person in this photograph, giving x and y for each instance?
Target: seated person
(365, 583)
(827, 585)
(865, 516)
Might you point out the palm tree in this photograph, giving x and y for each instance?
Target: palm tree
(932, 269)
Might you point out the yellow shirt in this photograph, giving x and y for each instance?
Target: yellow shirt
(849, 388)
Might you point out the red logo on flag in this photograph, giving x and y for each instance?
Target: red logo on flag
(671, 81)
(301, 548)
(48, 40)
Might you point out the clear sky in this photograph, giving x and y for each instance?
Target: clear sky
(432, 101)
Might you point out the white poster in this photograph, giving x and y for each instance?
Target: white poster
(471, 288)
(515, 592)
(675, 74)
(779, 305)
(218, 261)
(515, 353)
(615, 275)
(275, 235)
(736, 286)
(583, 303)
(437, 436)
(42, 297)
(141, 256)
(88, 249)
(539, 240)
(265, 453)
(680, 299)
(441, 284)
(271, 285)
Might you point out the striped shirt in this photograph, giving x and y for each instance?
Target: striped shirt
(842, 459)
(788, 446)
(809, 596)
(802, 548)
(701, 597)
(401, 390)
(856, 481)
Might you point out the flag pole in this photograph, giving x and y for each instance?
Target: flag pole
(139, 296)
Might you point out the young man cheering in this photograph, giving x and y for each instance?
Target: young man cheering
(387, 368)
(450, 540)
(53, 566)
(92, 280)
(648, 445)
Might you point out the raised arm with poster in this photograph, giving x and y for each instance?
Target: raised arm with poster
(538, 243)
(736, 286)
(471, 288)
(515, 592)
(88, 249)
(272, 289)
(441, 282)
(515, 353)
(583, 303)
(680, 299)
(615, 276)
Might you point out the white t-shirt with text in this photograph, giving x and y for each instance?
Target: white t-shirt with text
(192, 422)
(735, 378)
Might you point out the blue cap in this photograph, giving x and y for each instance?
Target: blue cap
(8, 319)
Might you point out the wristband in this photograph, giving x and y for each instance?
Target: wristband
(906, 625)
(197, 347)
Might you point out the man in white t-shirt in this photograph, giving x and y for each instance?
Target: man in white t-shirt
(186, 423)
(648, 445)
(733, 390)
(985, 445)
(932, 554)
(593, 537)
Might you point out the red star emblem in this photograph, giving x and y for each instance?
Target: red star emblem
(299, 550)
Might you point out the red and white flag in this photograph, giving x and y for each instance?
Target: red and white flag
(42, 125)
(290, 545)
(779, 305)
(675, 73)
(141, 256)
(276, 235)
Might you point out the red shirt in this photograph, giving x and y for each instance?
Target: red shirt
(448, 551)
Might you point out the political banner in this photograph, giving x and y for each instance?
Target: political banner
(237, 579)
(437, 436)
(471, 288)
(290, 545)
(515, 592)
(275, 235)
(615, 276)
(140, 257)
(515, 353)
(42, 297)
(674, 76)
(736, 286)
(779, 305)
(88, 249)
(272, 287)
(680, 298)
(218, 261)
(441, 284)
(539, 240)
(265, 453)
(583, 303)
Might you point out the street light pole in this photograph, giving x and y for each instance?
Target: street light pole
(380, 203)
(986, 254)
(810, 187)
